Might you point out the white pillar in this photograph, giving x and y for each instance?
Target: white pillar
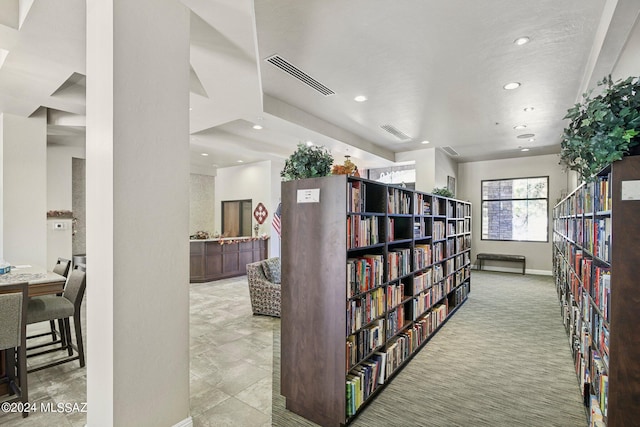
(23, 189)
(137, 213)
(425, 167)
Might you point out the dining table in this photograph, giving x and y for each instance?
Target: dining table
(40, 282)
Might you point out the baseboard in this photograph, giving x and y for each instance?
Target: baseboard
(515, 270)
(187, 422)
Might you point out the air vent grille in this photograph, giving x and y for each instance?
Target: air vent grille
(396, 132)
(450, 151)
(292, 70)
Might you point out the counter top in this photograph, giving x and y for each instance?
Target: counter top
(235, 239)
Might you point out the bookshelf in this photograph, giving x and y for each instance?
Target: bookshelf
(370, 272)
(596, 268)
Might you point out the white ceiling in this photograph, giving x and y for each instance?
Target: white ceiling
(432, 69)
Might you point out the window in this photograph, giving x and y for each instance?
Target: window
(516, 209)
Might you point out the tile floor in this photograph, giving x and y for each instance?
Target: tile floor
(231, 365)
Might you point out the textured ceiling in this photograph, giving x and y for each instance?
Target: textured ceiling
(432, 70)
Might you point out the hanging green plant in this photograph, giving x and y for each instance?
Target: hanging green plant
(602, 128)
(307, 162)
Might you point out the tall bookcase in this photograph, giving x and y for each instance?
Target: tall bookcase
(369, 273)
(596, 267)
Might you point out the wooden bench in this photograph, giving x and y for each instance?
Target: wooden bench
(481, 258)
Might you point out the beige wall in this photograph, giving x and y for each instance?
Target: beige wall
(470, 175)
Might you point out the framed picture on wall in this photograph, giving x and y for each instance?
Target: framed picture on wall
(451, 185)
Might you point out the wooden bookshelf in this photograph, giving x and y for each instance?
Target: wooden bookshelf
(597, 281)
(369, 273)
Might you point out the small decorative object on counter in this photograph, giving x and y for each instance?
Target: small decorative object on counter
(200, 235)
(5, 267)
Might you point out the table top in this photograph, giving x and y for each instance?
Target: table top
(31, 274)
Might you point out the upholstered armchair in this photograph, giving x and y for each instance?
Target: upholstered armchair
(264, 286)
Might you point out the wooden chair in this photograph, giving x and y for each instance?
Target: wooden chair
(54, 307)
(13, 339)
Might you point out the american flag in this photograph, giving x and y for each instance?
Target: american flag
(276, 219)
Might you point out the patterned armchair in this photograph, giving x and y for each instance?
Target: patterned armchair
(264, 286)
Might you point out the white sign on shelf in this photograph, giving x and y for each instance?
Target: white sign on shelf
(630, 190)
(311, 195)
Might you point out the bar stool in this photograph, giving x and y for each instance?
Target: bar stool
(62, 307)
(13, 333)
(62, 268)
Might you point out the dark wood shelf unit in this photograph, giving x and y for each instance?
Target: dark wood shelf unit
(596, 253)
(318, 310)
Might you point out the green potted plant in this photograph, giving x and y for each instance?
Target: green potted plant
(307, 162)
(444, 192)
(603, 129)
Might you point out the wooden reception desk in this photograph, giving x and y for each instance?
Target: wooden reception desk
(214, 259)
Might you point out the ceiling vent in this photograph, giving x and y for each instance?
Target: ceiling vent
(450, 151)
(396, 132)
(281, 63)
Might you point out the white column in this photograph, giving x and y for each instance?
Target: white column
(137, 213)
(23, 189)
(425, 167)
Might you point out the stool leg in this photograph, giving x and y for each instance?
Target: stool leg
(67, 332)
(79, 342)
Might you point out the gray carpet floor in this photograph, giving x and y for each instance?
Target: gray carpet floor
(502, 359)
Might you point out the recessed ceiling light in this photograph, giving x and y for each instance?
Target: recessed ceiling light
(520, 127)
(531, 139)
(525, 149)
(190, 108)
(257, 127)
(529, 109)
(425, 142)
(309, 143)
(360, 98)
(511, 86)
(522, 40)
(240, 161)
(204, 154)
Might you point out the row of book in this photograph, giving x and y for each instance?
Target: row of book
(420, 229)
(362, 343)
(439, 252)
(596, 280)
(591, 197)
(439, 230)
(367, 271)
(426, 299)
(597, 237)
(362, 381)
(398, 263)
(395, 295)
(463, 243)
(599, 391)
(422, 256)
(364, 273)
(395, 321)
(422, 203)
(356, 196)
(362, 231)
(422, 280)
(361, 311)
(398, 201)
